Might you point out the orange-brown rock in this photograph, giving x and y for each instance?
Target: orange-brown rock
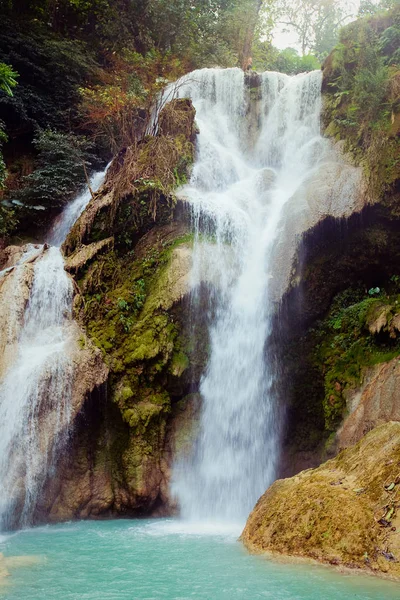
(345, 512)
(376, 402)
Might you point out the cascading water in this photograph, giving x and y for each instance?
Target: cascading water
(35, 393)
(240, 190)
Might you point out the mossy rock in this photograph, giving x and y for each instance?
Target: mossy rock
(340, 513)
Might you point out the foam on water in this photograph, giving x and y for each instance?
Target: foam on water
(188, 528)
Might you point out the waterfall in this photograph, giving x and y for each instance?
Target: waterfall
(35, 394)
(246, 190)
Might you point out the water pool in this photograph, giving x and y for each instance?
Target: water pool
(165, 559)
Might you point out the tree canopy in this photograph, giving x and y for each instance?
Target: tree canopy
(316, 23)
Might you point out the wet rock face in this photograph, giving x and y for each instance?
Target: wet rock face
(345, 512)
(139, 190)
(93, 479)
(126, 433)
(375, 402)
(15, 288)
(330, 331)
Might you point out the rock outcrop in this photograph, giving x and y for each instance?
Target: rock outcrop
(345, 512)
(16, 279)
(84, 368)
(124, 439)
(338, 338)
(130, 254)
(375, 402)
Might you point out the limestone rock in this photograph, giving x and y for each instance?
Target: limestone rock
(379, 319)
(181, 435)
(335, 189)
(16, 280)
(340, 513)
(86, 254)
(3, 568)
(8, 563)
(99, 205)
(174, 283)
(90, 371)
(376, 402)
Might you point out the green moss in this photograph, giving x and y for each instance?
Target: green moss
(351, 338)
(361, 102)
(143, 344)
(179, 363)
(140, 416)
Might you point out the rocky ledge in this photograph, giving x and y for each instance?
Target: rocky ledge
(345, 512)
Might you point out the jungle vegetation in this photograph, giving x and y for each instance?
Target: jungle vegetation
(78, 78)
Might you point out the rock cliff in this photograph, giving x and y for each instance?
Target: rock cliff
(337, 321)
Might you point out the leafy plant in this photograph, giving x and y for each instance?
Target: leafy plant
(139, 295)
(8, 78)
(60, 169)
(374, 291)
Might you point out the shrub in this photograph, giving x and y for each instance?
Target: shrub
(8, 78)
(60, 169)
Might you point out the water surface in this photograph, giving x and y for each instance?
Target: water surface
(151, 560)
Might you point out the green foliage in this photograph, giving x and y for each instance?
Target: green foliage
(361, 79)
(390, 40)
(59, 169)
(207, 33)
(369, 7)
(344, 344)
(50, 72)
(289, 61)
(370, 89)
(131, 308)
(316, 23)
(8, 81)
(8, 220)
(3, 170)
(268, 58)
(8, 78)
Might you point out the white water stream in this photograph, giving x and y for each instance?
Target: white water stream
(35, 393)
(243, 187)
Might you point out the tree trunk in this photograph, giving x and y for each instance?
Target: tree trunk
(245, 53)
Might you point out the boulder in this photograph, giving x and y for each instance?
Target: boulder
(345, 512)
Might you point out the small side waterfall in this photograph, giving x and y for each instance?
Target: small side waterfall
(243, 191)
(35, 394)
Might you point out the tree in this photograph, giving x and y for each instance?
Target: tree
(252, 10)
(316, 23)
(371, 7)
(60, 169)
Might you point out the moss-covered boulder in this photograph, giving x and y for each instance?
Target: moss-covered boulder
(345, 512)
